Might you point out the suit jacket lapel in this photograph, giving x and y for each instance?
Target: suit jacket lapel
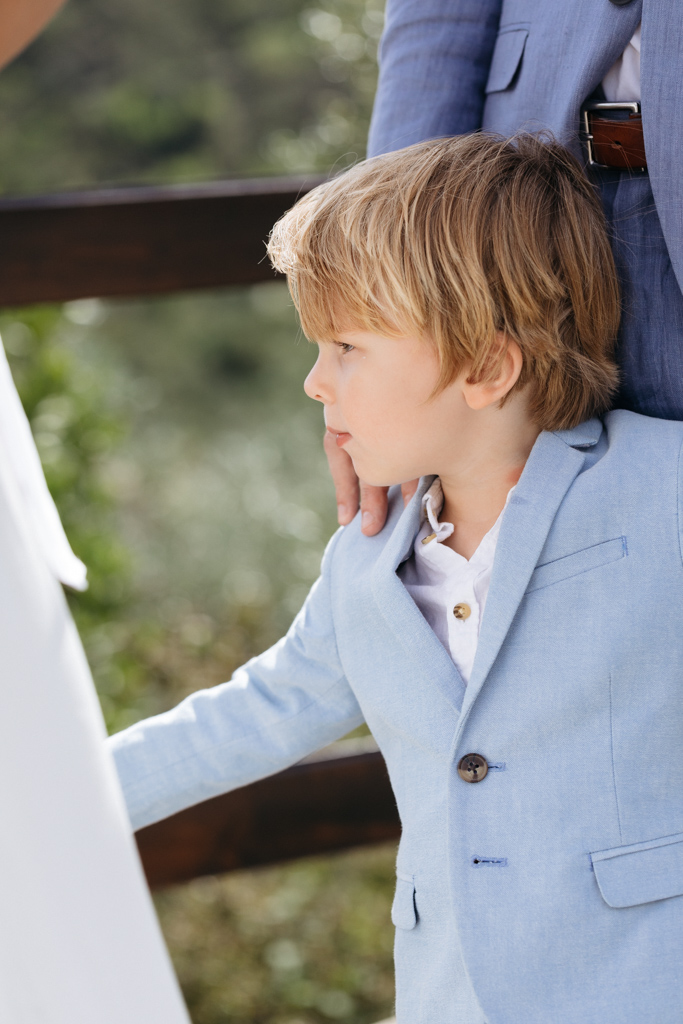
(554, 463)
(662, 101)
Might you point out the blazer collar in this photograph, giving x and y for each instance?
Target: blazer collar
(555, 462)
(586, 435)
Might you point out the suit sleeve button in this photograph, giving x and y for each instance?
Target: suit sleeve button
(472, 767)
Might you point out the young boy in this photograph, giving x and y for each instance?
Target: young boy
(529, 707)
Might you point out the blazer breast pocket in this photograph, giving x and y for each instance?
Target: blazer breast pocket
(643, 873)
(577, 563)
(507, 57)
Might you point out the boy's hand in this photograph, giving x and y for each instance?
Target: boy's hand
(373, 500)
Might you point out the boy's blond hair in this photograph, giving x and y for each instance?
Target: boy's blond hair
(457, 239)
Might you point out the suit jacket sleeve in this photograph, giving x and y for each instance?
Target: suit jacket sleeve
(280, 706)
(434, 62)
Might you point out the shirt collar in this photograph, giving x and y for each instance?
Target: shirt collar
(432, 505)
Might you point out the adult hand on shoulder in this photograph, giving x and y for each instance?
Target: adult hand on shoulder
(350, 490)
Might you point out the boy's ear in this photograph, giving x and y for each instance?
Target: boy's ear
(481, 394)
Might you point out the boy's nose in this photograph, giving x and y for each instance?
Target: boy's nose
(316, 386)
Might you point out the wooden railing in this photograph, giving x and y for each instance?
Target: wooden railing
(330, 802)
(147, 241)
(140, 241)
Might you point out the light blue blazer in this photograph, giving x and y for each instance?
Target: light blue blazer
(550, 892)
(453, 66)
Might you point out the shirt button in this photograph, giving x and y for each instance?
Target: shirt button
(472, 767)
(462, 611)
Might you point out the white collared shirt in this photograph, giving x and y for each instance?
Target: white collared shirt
(449, 590)
(622, 81)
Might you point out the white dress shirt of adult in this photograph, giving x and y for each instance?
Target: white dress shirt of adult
(621, 84)
(449, 590)
(79, 940)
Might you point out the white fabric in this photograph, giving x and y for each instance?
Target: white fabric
(438, 578)
(621, 84)
(37, 507)
(79, 940)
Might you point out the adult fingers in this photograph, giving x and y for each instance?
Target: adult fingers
(373, 504)
(344, 478)
(408, 490)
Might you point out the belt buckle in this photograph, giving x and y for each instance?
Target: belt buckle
(589, 108)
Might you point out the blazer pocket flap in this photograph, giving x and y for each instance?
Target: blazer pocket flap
(403, 912)
(507, 56)
(580, 561)
(629, 875)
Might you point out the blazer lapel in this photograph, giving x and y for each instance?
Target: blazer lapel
(554, 463)
(402, 615)
(661, 80)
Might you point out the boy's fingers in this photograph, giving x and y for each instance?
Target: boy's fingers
(373, 504)
(408, 490)
(344, 478)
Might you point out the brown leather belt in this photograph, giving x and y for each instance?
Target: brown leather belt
(612, 142)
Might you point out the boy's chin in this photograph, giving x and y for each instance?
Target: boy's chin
(372, 476)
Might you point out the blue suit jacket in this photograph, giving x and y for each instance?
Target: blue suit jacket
(453, 66)
(551, 891)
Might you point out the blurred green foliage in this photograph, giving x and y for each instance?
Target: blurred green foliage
(183, 456)
(169, 91)
(304, 944)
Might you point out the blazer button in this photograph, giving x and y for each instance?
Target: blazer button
(472, 767)
(621, 3)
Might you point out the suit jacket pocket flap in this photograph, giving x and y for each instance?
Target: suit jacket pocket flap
(576, 563)
(507, 56)
(629, 875)
(403, 913)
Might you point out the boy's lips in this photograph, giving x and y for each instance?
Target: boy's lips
(340, 436)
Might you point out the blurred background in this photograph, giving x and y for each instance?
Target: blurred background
(178, 443)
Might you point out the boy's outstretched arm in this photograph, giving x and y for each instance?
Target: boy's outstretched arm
(284, 704)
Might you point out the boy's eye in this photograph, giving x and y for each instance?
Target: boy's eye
(344, 346)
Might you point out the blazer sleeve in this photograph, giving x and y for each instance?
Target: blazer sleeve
(280, 706)
(434, 62)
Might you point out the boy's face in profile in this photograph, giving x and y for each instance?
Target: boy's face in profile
(379, 400)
